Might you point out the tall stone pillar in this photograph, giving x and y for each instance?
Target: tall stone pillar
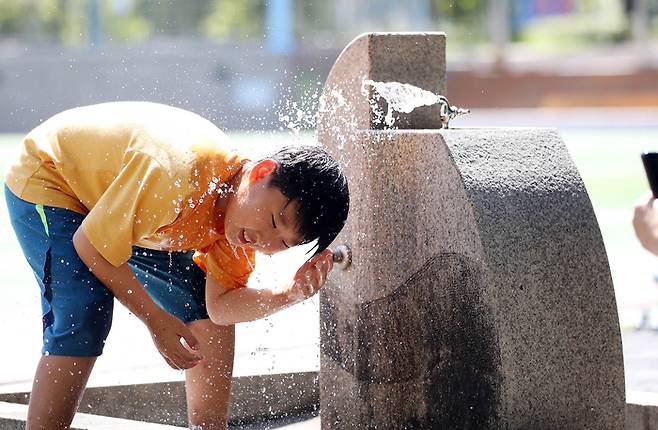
(479, 294)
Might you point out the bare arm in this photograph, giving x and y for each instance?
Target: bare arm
(165, 329)
(230, 306)
(120, 280)
(645, 223)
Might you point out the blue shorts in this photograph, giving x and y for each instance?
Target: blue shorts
(76, 306)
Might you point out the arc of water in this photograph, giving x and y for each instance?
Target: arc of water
(401, 97)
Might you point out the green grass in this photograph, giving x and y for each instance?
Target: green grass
(609, 162)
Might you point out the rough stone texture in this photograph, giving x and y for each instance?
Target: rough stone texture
(253, 398)
(379, 57)
(479, 294)
(641, 411)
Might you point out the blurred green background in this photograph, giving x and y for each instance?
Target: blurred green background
(545, 24)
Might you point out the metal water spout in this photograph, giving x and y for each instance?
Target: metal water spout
(342, 256)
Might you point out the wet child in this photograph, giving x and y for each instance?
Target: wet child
(147, 204)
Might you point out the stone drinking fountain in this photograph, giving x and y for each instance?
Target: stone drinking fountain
(479, 293)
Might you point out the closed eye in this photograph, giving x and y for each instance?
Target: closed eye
(274, 226)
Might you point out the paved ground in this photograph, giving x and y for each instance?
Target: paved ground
(641, 360)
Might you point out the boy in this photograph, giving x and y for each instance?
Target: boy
(111, 200)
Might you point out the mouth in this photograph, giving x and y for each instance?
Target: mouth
(243, 237)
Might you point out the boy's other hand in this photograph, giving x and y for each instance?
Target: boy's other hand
(311, 276)
(167, 331)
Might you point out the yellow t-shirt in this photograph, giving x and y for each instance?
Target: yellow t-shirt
(143, 174)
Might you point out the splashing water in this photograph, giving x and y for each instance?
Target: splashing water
(405, 98)
(399, 97)
(299, 115)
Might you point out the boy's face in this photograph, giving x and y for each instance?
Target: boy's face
(260, 216)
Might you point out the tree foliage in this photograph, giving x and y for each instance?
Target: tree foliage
(458, 9)
(38, 18)
(234, 18)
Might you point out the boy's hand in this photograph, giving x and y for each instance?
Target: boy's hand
(311, 276)
(167, 331)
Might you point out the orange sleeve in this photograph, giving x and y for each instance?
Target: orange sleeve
(229, 266)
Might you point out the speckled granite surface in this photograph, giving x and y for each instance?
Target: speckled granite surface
(480, 294)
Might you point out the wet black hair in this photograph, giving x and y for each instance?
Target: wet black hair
(307, 174)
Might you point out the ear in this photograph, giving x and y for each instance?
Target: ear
(262, 169)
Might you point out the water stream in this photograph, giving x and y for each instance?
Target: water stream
(405, 98)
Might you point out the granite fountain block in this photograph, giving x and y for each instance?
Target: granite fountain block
(479, 294)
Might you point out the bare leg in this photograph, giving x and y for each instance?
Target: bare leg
(58, 386)
(208, 384)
